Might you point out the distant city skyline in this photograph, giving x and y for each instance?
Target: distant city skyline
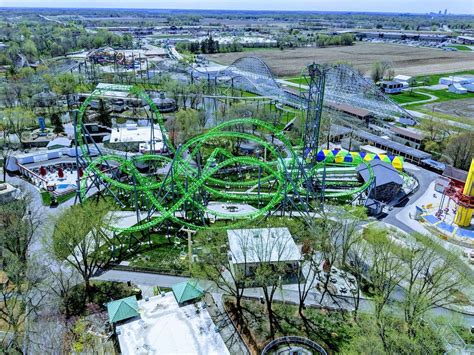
(400, 6)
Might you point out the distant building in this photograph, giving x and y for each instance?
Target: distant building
(388, 181)
(465, 39)
(59, 142)
(144, 136)
(370, 149)
(407, 121)
(8, 193)
(439, 38)
(457, 89)
(391, 87)
(358, 112)
(462, 80)
(123, 309)
(406, 80)
(407, 136)
(459, 176)
(248, 248)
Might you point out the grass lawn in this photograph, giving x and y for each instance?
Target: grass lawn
(442, 116)
(445, 95)
(434, 78)
(163, 256)
(461, 47)
(297, 80)
(408, 96)
(46, 197)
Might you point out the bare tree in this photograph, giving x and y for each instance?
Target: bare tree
(271, 253)
(20, 297)
(434, 278)
(216, 264)
(307, 273)
(385, 272)
(357, 266)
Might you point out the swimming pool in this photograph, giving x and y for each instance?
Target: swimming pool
(65, 186)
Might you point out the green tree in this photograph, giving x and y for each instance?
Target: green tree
(81, 239)
(57, 123)
(435, 278)
(185, 125)
(19, 223)
(104, 115)
(460, 150)
(385, 272)
(379, 70)
(29, 49)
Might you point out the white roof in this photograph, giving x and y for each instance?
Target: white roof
(137, 134)
(458, 87)
(371, 149)
(402, 77)
(166, 328)
(262, 245)
(62, 141)
(6, 188)
(113, 87)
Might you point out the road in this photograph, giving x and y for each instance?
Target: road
(141, 278)
(425, 178)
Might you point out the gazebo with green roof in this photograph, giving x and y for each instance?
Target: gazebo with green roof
(187, 291)
(122, 309)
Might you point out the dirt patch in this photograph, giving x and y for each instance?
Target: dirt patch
(406, 60)
(458, 108)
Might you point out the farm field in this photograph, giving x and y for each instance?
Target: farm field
(406, 60)
(463, 109)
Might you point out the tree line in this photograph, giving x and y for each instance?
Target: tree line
(40, 41)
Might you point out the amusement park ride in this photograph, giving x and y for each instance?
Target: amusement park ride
(179, 186)
(463, 197)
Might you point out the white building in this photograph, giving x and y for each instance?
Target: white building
(462, 80)
(166, 328)
(8, 192)
(132, 133)
(457, 89)
(249, 248)
(405, 80)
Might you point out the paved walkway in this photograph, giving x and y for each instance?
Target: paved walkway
(431, 99)
(141, 278)
(226, 328)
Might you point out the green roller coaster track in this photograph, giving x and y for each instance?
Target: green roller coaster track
(277, 178)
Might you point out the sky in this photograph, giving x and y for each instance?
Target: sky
(413, 6)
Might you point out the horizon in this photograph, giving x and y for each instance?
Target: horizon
(228, 10)
(461, 7)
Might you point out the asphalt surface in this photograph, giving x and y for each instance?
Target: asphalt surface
(425, 178)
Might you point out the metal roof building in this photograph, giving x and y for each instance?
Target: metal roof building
(187, 291)
(395, 148)
(122, 309)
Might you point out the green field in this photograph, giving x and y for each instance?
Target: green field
(165, 256)
(426, 80)
(297, 80)
(46, 197)
(445, 95)
(461, 47)
(409, 96)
